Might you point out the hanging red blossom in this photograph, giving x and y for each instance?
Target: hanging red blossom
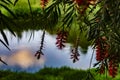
(99, 56)
(84, 4)
(61, 39)
(43, 3)
(101, 49)
(75, 54)
(113, 66)
(80, 2)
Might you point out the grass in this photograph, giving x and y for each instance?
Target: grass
(63, 73)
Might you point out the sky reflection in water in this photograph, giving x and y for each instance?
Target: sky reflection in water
(21, 57)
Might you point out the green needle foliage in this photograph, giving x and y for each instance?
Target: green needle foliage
(4, 20)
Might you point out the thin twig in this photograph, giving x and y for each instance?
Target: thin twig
(31, 11)
(91, 60)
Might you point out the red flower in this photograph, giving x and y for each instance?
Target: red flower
(98, 53)
(75, 54)
(82, 5)
(43, 3)
(80, 2)
(61, 39)
(85, 2)
(101, 49)
(113, 66)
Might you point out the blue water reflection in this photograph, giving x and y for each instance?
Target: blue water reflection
(21, 57)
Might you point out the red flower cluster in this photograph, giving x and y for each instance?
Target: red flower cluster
(75, 54)
(43, 3)
(102, 54)
(113, 66)
(101, 49)
(84, 3)
(80, 2)
(61, 39)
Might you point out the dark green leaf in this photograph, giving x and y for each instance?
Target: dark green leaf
(31, 11)
(96, 64)
(4, 36)
(3, 61)
(69, 8)
(6, 23)
(4, 44)
(15, 2)
(9, 1)
(70, 22)
(4, 2)
(10, 29)
(67, 17)
(58, 10)
(106, 16)
(8, 10)
(30, 37)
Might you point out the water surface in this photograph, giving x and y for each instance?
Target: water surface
(21, 57)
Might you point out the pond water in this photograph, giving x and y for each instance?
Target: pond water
(21, 57)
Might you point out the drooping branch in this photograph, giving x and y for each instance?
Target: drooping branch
(39, 53)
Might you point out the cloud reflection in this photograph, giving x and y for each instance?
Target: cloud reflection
(23, 58)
